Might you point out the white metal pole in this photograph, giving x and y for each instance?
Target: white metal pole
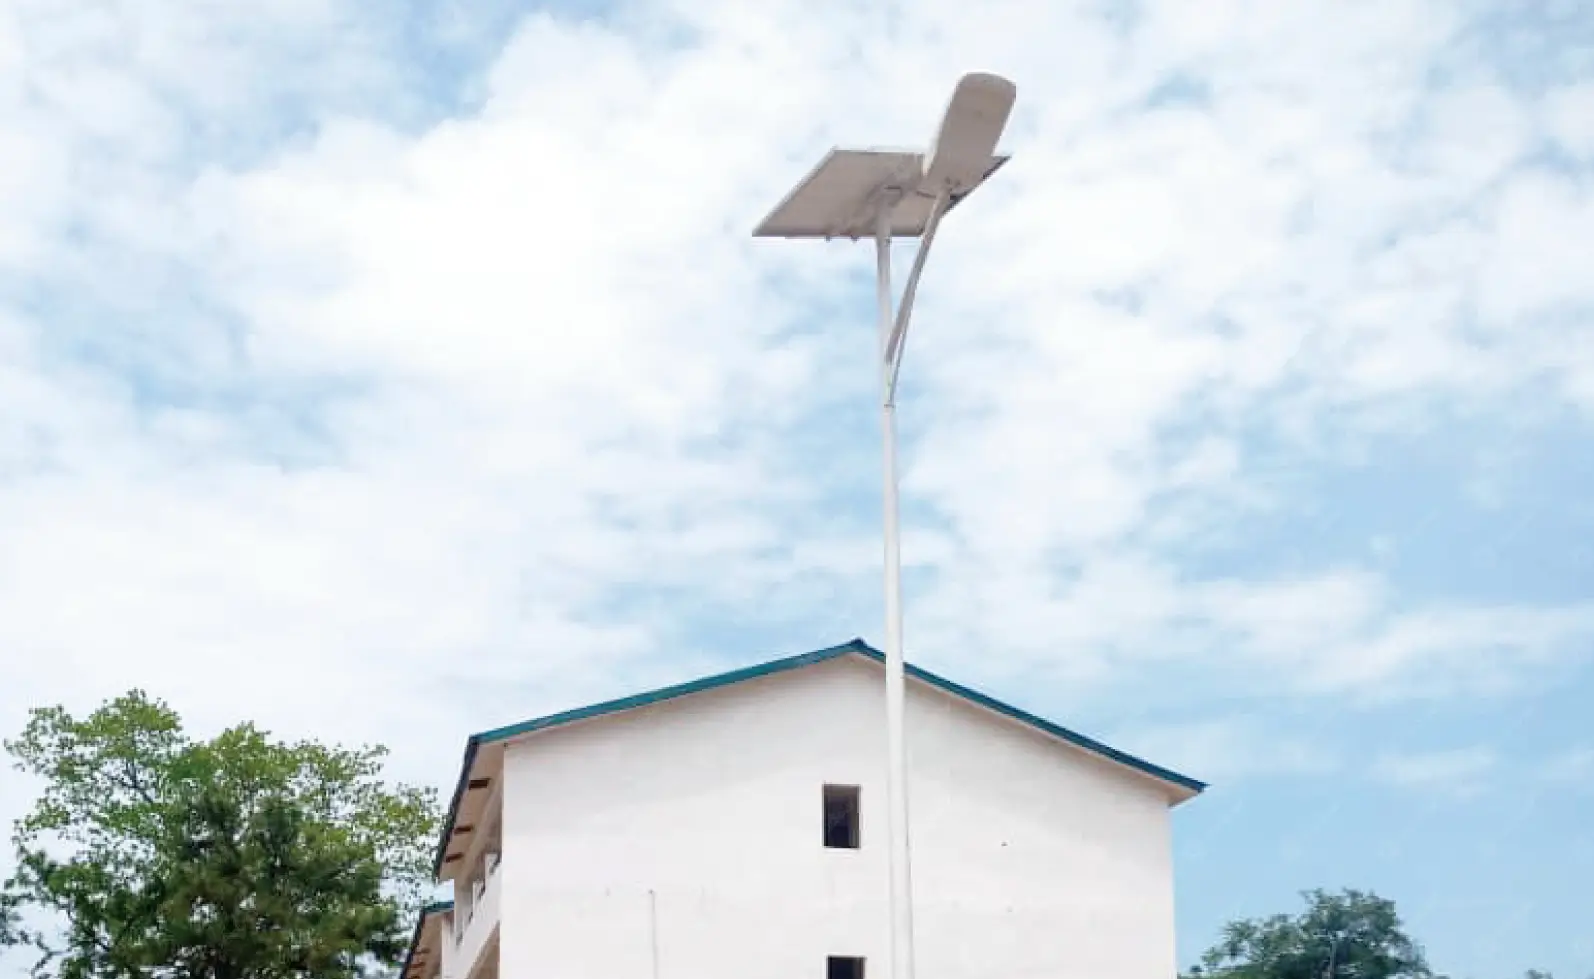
(901, 894)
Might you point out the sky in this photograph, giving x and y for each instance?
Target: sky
(384, 373)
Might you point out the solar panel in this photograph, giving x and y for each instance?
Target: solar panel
(837, 198)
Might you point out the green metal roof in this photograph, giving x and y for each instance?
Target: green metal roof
(856, 647)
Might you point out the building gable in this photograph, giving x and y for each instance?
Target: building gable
(1180, 787)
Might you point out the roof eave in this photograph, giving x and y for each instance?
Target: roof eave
(436, 907)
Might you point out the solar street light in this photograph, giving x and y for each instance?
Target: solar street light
(887, 194)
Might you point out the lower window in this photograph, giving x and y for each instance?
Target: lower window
(844, 967)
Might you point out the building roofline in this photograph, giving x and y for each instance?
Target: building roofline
(853, 647)
(436, 907)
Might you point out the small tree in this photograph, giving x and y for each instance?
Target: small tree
(160, 856)
(1351, 935)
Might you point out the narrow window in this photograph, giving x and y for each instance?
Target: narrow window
(843, 967)
(841, 833)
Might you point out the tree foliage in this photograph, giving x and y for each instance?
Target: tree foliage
(1350, 935)
(153, 855)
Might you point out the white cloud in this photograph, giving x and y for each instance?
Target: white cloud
(1336, 633)
(1572, 768)
(1569, 114)
(1227, 750)
(1459, 771)
(384, 426)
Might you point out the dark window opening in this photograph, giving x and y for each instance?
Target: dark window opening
(841, 832)
(843, 967)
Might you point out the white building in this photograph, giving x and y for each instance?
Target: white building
(734, 828)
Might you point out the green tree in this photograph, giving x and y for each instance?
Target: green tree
(161, 856)
(1350, 935)
(10, 923)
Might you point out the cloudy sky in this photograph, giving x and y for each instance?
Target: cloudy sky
(389, 372)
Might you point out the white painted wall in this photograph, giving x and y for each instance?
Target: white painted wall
(682, 841)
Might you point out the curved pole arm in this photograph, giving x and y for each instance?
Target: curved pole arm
(899, 329)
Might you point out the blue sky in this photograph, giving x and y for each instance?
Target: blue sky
(421, 361)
